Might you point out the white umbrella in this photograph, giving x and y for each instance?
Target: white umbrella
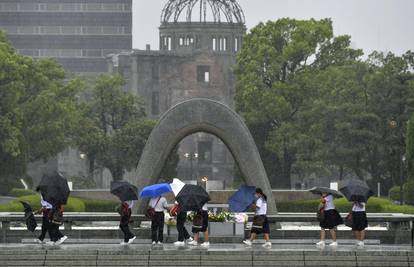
(176, 186)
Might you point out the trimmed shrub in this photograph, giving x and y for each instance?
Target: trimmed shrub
(375, 204)
(73, 205)
(19, 192)
(408, 190)
(394, 193)
(94, 205)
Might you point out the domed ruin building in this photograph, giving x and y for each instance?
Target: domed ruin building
(198, 42)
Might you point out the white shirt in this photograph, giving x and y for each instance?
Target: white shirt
(358, 206)
(204, 207)
(329, 202)
(160, 206)
(45, 204)
(261, 207)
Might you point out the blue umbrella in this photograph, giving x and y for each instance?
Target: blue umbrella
(155, 190)
(242, 199)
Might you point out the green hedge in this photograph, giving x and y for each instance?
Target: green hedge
(19, 192)
(73, 205)
(93, 205)
(394, 193)
(342, 205)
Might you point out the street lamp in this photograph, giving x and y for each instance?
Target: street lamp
(191, 156)
(402, 161)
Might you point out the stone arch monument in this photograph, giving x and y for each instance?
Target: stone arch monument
(202, 115)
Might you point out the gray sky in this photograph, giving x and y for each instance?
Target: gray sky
(385, 25)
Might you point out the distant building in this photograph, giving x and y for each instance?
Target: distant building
(78, 33)
(198, 45)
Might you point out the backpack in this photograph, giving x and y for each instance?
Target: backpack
(57, 216)
(198, 221)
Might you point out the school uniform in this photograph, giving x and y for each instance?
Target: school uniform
(54, 232)
(332, 217)
(359, 217)
(46, 209)
(125, 219)
(204, 214)
(159, 204)
(261, 210)
(182, 231)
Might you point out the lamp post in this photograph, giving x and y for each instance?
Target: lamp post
(191, 156)
(402, 161)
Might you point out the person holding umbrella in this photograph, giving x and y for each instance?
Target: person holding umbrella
(331, 219)
(127, 193)
(45, 209)
(260, 221)
(157, 207)
(56, 220)
(201, 227)
(126, 213)
(182, 231)
(358, 192)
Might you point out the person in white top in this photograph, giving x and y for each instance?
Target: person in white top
(260, 221)
(159, 204)
(45, 211)
(201, 228)
(331, 220)
(359, 222)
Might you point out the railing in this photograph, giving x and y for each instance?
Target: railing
(395, 223)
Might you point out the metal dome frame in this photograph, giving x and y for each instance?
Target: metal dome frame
(229, 9)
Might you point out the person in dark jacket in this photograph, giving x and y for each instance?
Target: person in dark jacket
(126, 213)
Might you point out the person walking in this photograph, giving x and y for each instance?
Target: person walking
(260, 221)
(201, 227)
(359, 222)
(126, 212)
(159, 204)
(45, 210)
(331, 220)
(56, 220)
(183, 234)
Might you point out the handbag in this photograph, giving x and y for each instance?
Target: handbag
(198, 221)
(57, 217)
(349, 220)
(320, 214)
(150, 212)
(258, 222)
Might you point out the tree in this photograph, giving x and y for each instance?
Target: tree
(275, 87)
(37, 111)
(114, 127)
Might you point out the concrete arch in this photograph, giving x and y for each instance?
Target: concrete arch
(202, 115)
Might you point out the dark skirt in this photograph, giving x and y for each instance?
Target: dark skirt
(265, 229)
(204, 227)
(359, 220)
(331, 220)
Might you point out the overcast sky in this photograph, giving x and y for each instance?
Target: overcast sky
(386, 25)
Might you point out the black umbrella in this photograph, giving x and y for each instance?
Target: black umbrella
(124, 190)
(192, 197)
(320, 190)
(29, 217)
(356, 190)
(54, 189)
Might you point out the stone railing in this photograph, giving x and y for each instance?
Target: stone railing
(397, 228)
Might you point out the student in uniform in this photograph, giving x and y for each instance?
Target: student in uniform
(126, 213)
(203, 228)
(183, 234)
(359, 222)
(55, 234)
(159, 204)
(45, 210)
(330, 221)
(261, 211)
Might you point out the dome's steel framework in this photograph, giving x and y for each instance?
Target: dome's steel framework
(222, 11)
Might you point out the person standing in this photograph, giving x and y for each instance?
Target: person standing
(331, 220)
(359, 222)
(203, 228)
(126, 213)
(182, 231)
(260, 221)
(159, 204)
